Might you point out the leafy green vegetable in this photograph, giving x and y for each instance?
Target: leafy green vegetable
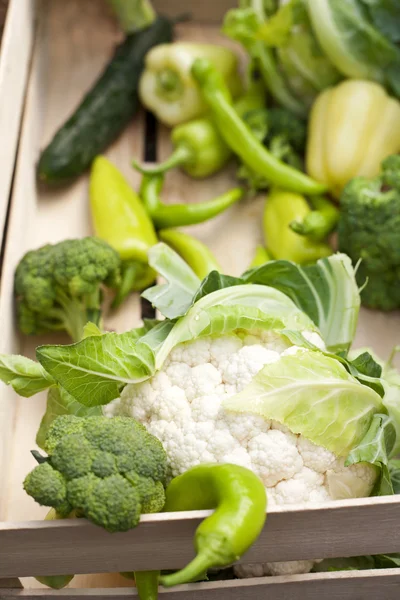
(358, 563)
(394, 471)
(93, 370)
(59, 402)
(289, 56)
(304, 391)
(25, 376)
(354, 36)
(238, 307)
(182, 283)
(326, 292)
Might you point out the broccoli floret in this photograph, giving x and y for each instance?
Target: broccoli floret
(282, 133)
(107, 470)
(369, 229)
(59, 286)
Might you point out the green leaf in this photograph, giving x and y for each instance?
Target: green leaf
(25, 376)
(355, 563)
(351, 41)
(312, 395)
(366, 365)
(239, 307)
(94, 370)
(385, 15)
(173, 298)
(59, 402)
(378, 443)
(383, 485)
(327, 292)
(394, 472)
(387, 561)
(216, 281)
(90, 330)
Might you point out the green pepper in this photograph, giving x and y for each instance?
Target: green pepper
(320, 222)
(281, 209)
(120, 219)
(56, 582)
(239, 137)
(240, 503)
(196, 254)
(180, 215)
(199, 148)
(261, 256)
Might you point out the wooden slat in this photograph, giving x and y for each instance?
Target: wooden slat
(15, 55)
(365, 585)
(165, 541)
(209, 11)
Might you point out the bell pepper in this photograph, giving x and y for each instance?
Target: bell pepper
(167, 87)
(240, 138)
(281, 209)
(320, 222)
(196, 254)
(199, 148)
(353, 127)
(179, 215)
(261, 256)
(120, 219)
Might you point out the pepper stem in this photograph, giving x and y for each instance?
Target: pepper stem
(180, 156)
(192, 572)
(133, 15)
(168, 85)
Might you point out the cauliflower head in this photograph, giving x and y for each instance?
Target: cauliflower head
(181, 405)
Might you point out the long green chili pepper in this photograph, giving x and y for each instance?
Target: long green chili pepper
(196, 254)
(239, 137)
(199, 148)
(281, 209)
(320, 222)
(120, 219)
(180, 215)
(240, 503)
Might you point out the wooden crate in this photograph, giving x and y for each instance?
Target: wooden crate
(72, 41)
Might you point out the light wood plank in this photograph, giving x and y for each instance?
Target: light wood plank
(15, 55)
(365, 585)
(165, 541)
(208, 11)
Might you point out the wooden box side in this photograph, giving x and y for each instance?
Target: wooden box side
(15, 56)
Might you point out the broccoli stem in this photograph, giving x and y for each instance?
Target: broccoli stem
(320, 222)
(75, 314)
(133, 15)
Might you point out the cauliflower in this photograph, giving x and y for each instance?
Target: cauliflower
(182, 406)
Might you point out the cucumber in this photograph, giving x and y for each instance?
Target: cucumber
(105, 110)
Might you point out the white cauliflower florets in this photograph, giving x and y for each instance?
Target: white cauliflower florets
(182, 406)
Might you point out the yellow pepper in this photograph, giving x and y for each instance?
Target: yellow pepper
(353, 127)
(167, 87)
(281, 209)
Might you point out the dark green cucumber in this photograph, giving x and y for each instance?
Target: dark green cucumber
(105, 110)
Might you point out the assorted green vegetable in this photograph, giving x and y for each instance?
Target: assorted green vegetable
(317, 129)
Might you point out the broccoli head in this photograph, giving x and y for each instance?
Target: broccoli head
(59, 286)
(282, 133)
(369, 232)
(107, 470)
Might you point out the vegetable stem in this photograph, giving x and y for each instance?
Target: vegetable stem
(133, 15)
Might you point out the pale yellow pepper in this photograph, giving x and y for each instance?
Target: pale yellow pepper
(352, 128)
(167, 87)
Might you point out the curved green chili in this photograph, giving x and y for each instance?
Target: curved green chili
(196, 254)
(180, 215)
(240, 139)
(240, 502)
